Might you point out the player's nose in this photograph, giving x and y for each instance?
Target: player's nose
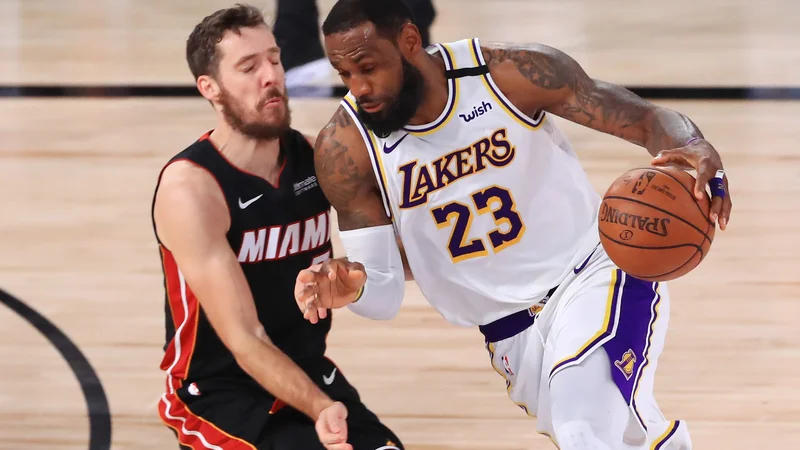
(360, 88)
(271, 75)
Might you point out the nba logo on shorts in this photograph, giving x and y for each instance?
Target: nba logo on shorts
(193, 390)
(507, 366)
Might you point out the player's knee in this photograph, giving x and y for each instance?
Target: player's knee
(586, 406)
(578, 435)
(585, 391)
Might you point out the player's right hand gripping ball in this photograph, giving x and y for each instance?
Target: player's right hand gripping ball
(652, 226)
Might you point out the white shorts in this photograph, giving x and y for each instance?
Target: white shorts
(596, 307)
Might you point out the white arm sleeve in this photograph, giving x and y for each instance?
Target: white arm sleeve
(376, 248)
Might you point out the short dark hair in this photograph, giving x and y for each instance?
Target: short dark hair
(201, 47)
(388, 16)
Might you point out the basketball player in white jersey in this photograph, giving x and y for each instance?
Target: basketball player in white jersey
(453, 149)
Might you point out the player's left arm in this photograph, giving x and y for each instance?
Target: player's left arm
(406, 269)
(536, 77)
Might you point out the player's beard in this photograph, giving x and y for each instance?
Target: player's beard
(236, 114)
(398, 110)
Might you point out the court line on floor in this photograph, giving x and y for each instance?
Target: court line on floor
(93, 392)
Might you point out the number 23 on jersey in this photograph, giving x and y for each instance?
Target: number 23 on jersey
(458, 216)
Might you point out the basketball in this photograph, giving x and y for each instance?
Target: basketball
(652, 226)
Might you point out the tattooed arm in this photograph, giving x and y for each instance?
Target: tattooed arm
(540, 77)
(536, 77)
(345, 174)
(373, 283)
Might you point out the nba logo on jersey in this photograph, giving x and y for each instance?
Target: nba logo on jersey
(507, 365)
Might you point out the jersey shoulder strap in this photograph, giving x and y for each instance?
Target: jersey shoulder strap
(463, 58)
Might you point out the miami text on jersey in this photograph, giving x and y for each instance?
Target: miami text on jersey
(280, 241)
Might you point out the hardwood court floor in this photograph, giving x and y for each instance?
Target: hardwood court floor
(76, 242)
(77, 246)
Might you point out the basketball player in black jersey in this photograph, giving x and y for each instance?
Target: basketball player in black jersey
(238, 214)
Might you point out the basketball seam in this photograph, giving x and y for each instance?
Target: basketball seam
(668, 247)
(698, 248)
(617, 197)
(691, 194)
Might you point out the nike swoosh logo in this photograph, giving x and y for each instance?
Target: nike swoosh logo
(578, 269)
(390, 148)
(329, 380)
(243, 205)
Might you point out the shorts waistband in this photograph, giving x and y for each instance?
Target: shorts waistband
(513, 324)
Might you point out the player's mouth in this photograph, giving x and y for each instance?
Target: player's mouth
(273, 102)
(371, 107)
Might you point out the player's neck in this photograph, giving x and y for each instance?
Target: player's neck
(435, 89)
(259, 157)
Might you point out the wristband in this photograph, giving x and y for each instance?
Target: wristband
(359, 293)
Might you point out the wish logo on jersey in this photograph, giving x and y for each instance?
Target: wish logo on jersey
(420, 180)
(477, 111)
(280, 241)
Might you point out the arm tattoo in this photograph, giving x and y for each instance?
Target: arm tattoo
(347, 182)
(333, 163)
(595, 104)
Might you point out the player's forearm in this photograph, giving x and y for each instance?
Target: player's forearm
(279, 375)
(406, 268)
(668, 129)
(376, 248)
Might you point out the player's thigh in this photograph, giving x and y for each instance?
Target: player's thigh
(518, 360)
(607, 308)
(586, 405)
(224, 418)
(625, 320)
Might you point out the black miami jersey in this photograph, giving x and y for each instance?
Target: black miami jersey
(275, 231)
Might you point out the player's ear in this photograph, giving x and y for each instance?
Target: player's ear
(208, 87)
(410, 41)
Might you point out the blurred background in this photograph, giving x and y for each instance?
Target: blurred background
(96, 95)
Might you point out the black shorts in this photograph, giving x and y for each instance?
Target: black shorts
(234, 414)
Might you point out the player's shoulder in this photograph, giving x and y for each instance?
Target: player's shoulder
(184, 180)
(184, 190)
(185, 167)
(341, 129)
(496, 53)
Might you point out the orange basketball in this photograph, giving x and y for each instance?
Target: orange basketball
(652, 226)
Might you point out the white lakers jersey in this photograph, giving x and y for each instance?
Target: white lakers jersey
(492, 206)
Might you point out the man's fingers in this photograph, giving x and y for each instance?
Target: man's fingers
(674, 157)
(306, 292)
(307, 276)
(705, 172)
(725, 213)
(719, 189)
(331, 265)
(311, 311)
(342, 446)
(716, 207)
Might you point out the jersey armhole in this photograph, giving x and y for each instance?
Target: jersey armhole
(158, 185)
(374, 157)
(526, 121)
